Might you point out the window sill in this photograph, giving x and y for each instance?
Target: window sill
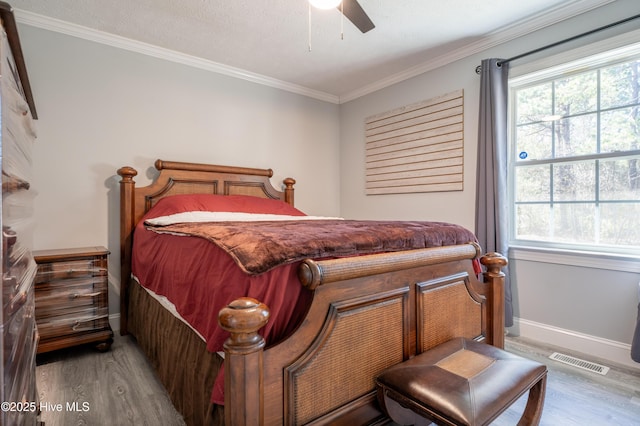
(576, 258)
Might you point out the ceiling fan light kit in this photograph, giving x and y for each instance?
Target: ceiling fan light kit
(350, 9)
(325, 4)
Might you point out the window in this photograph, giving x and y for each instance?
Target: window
(575, 155)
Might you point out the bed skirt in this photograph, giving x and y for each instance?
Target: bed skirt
(180, 357)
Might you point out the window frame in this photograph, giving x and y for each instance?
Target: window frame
(618, 49)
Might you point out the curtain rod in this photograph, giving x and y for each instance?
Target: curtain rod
(557, 43)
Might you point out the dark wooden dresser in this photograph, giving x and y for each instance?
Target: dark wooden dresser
(72, 305)
(18, 332)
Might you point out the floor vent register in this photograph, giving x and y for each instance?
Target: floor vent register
(579, 363)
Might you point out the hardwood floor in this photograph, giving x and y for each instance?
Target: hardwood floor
(117, 387)
(577, 397)
(120, 388)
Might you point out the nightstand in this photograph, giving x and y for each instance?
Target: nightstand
(72, 305)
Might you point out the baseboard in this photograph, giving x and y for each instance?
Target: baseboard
(603, 349)
(114, 322)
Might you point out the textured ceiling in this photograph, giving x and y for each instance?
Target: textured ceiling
(270, 38)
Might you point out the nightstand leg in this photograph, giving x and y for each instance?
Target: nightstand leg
(104, 346)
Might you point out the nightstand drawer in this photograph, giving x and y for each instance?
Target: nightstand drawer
(75, 323)
(66, 297)
(72, 269)
(72, 305)
(72, 285)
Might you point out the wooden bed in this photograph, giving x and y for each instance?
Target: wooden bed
(367, 313)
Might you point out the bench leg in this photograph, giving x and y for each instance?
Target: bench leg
(399, 414)
(533, 410)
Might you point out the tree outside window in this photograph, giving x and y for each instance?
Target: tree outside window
(574, 158)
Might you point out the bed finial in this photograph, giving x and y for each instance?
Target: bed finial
(243, 318)
(494, 263)
(288, 190)
(127, 173)
(243, 360)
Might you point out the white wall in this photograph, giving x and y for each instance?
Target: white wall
(582, 305)
(101, 108)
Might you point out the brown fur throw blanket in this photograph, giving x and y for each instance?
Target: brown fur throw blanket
(260, 246)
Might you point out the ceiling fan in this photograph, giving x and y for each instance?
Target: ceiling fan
(351, 10)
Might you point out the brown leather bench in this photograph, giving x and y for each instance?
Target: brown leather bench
(461, 382)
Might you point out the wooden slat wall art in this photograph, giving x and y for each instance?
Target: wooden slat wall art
(416, 148)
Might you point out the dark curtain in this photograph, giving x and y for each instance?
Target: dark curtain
(635, 344)
(492, 208)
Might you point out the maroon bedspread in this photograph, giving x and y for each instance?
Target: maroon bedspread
(200, 279)
(258, 247)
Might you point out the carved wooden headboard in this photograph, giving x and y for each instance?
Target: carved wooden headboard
(183, 178)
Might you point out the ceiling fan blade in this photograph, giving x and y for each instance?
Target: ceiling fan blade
(356, 14)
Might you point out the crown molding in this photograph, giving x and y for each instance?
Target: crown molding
(90, 34)
(503, 35)
(550, 17)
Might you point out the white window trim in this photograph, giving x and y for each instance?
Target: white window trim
(619, 46)
(608, 261)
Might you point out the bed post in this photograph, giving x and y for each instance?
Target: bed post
(288, 190)
(243, 361)
(127, 193)
(494, 277)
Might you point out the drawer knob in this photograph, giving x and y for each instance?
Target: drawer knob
(77, 295)
(78, 323)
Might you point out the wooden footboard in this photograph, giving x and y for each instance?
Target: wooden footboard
(367, 314)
